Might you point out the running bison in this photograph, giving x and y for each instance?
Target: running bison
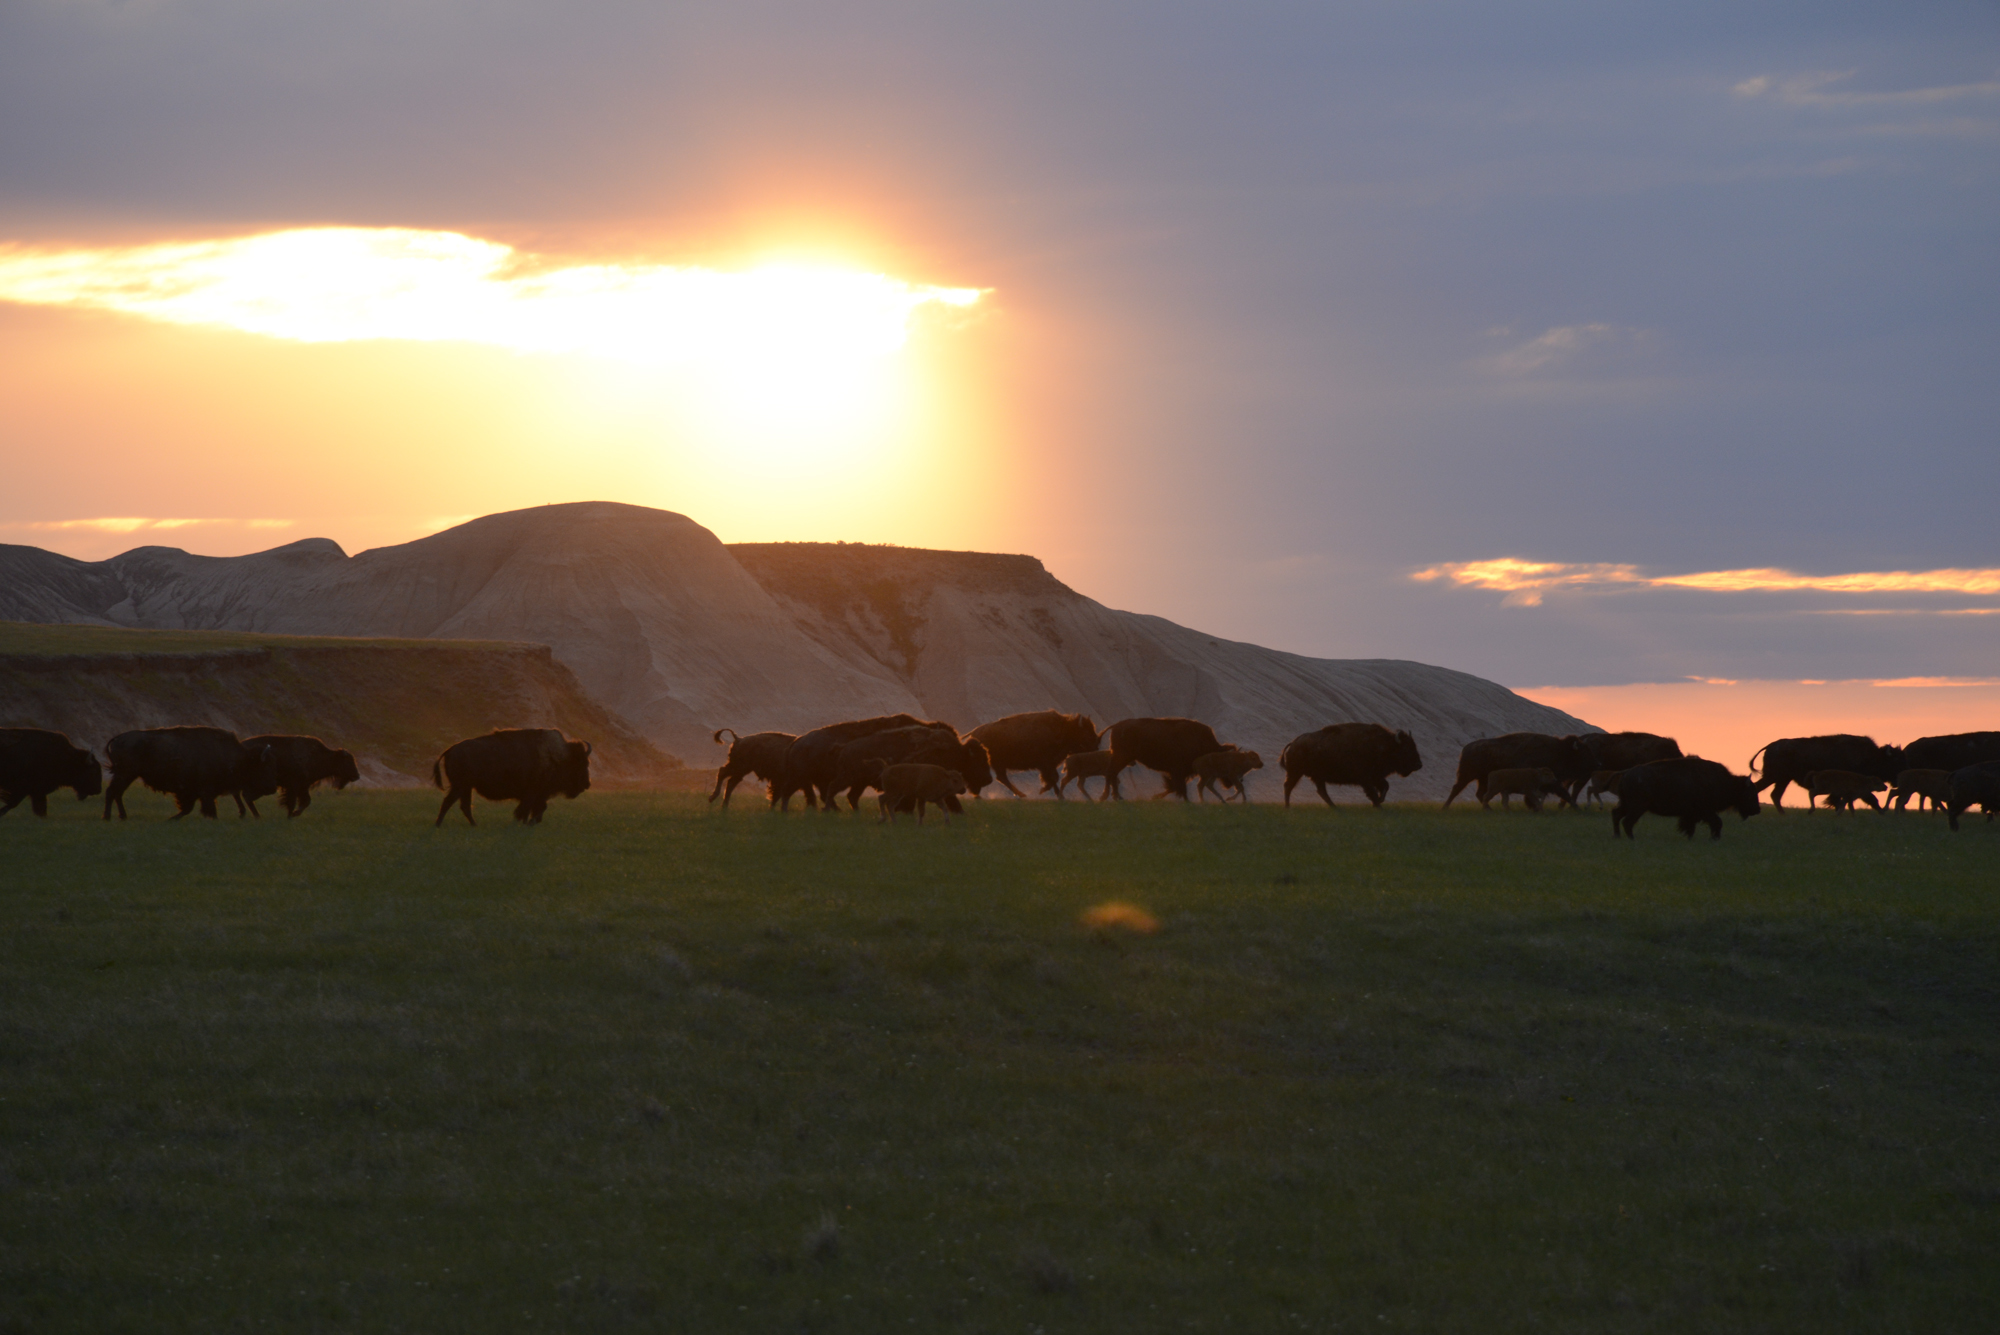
(1569, 757)
(1532, 785)
(1040, 741)
(1227, 769)
(1931, 786)
(1093, 765)
(1169, 746)
(301, 763)
(856, 765)
(1691, 790)
(809, 760)
(193, 765)
(761, 754)
(526, 766)
(1843, 788)
(1974, 785)
(1789, 759)
(1361, 754)
(34, 762)
(907, 787)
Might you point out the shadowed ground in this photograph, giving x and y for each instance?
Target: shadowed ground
(650, 1066)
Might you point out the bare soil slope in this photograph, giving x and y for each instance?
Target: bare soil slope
(394, 703)
(680, 635)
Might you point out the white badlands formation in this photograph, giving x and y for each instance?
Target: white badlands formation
(682, 635)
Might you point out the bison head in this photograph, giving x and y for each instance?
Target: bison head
(975, 766)
(84, 775)
(1888, 761)
(1404, 760)
(1744, 800)
(345, 771)
(573, 774)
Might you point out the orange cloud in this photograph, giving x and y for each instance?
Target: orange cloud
(1525, 582)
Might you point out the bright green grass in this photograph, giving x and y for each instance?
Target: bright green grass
(650, 1066)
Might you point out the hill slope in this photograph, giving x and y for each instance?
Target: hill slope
(681, 635)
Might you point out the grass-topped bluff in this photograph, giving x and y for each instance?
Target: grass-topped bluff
(654, 1066)
(395, 703)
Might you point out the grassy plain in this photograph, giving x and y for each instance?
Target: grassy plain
(651, 1066)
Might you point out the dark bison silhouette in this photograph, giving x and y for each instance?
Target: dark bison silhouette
(301, 763)
(1169, 746)
(34, 762)
(761, 754)
(1974, 784)
(1789, 759)
(857, 764)
(1363, 755)
(1569, 757)
(1040, 741)
(193, 765)
(911, 787)
(1951, 752)
(1691, 790)
(810, 759)
(526, 766)
(1621, 751)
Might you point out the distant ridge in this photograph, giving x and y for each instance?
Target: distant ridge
(680, 635)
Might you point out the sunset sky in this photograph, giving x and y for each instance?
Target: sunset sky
(1582, 346)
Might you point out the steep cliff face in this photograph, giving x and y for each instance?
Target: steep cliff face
(395, 704)
(680, 635)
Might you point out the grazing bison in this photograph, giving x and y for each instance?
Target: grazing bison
(301, 763)
(1691, 790)
(856, 764)
(526, 766)
(1083, 765)
(1789, 759)
(1361, 754)
(809, 760)
(1040, 741)
(34, 762)
(1569, 757)
(1601, 782)
(1227, 768)
(193, 765)
(761, 754)
(1169, 746)
(1931, 785)
(1952, 752)
(1975, 784)
(1843, 788)
(1531, 784)
(907, 786)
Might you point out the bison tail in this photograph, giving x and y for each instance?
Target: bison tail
(437, 772)
(732, 735)
(1754, 775)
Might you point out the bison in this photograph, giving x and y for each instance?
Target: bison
(34, 762)
(1952, 751)
(526, 766)
(1933, 786)
(856, 764)
(1227, 768)
(1569, 757)
(1040, 741)
(1843, 788)
(907, 786)
(1361, 754)
(1531, 784)
(761, 754)
(301, 763)
(1169, 746)
(1623, 750)
(1789, 759)
(1083, 765)
(1975, 784)
(1691, 790)
(194, 765)
(809, 760)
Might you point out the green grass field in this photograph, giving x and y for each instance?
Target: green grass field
(655, 1067)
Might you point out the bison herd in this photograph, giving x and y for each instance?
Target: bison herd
(914, 764)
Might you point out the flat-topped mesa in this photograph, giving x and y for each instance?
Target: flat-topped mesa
(819, 572)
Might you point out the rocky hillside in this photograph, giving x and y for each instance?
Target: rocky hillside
(394, 703)
(679, 635)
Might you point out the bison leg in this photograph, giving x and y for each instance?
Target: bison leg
(305, 800)
(37, 803)
(242, 801)
(1291, 782)
(1008, 783)
(116, 793)
(1456, 789)
(1325, 796)
(1778, 787)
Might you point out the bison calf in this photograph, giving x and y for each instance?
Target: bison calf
(1843, 788)
(1093, 765)
(1225, 767)
(917, 785)
(1601, 782)
(1531, 784)
(1933, 786)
